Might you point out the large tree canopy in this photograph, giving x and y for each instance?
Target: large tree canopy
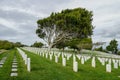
(68, 24)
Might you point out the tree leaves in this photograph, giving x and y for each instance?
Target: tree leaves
(112, 46)
(74, 23)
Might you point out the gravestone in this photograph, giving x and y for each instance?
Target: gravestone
(103, 61)
(50, 57)
(82, 60)
(109, 61)
(93, 62)
(28, 64)
(64, 61)
(75, 66)
(14, 69)
(108, 67)
(56, 59)
(25, 59)
(46, 55)
(14, 74)
(119, 62)
(14, 66)
(115, 65)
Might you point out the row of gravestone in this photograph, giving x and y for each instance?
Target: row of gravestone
(26, 60)
(66, 56)
(14, 67)
(2, 61)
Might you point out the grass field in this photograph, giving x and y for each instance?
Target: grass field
(44, 69)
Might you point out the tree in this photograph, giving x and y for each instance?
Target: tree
(18, 44)
(37, 44)
(61, 45)
(99, 49)
(4, 44)
(69, 24)
(113, 46)
(76, 43)
(85, 43)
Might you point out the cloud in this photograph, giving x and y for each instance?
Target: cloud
(18, 17)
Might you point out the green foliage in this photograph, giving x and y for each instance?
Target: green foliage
(4, 44)
(118, 52)
(37, 44)
(113, 46)
(76, 23)
(61, 45)
(99, 49)
(85, 43)
(46, 69)
(18, 44)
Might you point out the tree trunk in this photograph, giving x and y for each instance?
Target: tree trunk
(49, 47)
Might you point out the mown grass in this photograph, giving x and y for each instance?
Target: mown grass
(44, 69)
(5, 71)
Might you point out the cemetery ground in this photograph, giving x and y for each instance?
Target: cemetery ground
(45, 69)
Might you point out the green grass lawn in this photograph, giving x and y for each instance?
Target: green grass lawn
(44, 69)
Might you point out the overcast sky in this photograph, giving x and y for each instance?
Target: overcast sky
(18, 17)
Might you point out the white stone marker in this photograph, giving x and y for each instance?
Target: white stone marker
(108, 67)
(116, 65)
(14, 69)
(40, 53)
(103, 61)
(109, 61)
(75, 66)
(64, 61)
(82, 60)
(119, 62)
(14, 74)
(93, 62)
(28, 64)
(46, 55)
(56, 59)
(43, 54)
(25, 59)
(50, 57)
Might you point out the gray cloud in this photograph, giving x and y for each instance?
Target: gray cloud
(18, 17)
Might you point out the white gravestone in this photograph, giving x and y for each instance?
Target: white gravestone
(46, 55)
(82, 60)
(25, 59)
(56, 59)
(116, 65)
(103, 61)
(109, 61)
(75, 66)
(64, 61)
(119, 62)
(108, 67)
(93, 62)
(28, 64)
(50, 57)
